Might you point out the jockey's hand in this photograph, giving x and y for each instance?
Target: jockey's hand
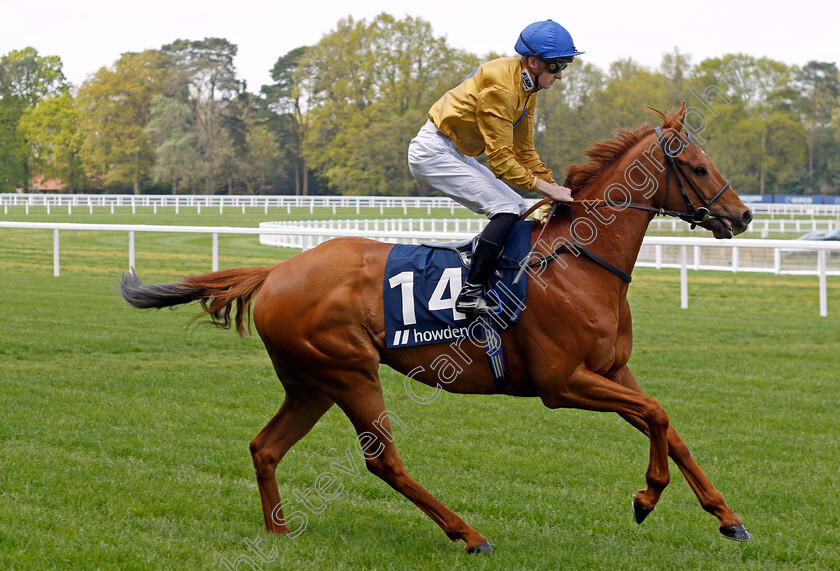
(554, 191)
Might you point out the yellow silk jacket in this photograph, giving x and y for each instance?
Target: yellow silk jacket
(492, 111)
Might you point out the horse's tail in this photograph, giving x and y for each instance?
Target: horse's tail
(217, 291)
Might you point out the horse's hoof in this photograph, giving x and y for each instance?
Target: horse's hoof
(735, 532)
(483, 548)
(640, 512)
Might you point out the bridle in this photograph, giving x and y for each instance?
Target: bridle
(694, 215)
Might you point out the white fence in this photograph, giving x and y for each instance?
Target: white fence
(70, 202)
(763, 226)
(395, 230)
(736, 255)
(774, 210)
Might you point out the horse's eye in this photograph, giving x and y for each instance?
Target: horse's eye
(700, 171)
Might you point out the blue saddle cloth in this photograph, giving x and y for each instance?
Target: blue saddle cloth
(422, 283)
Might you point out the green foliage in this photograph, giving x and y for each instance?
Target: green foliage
(588, 105)
(25, 78)
(820, 84)
(55, 142)
(287, 102)
(13, 163)
(203, 75)
(170, 128)
(114, 106)
(339, 114)
(262, 154)
(785, 147)
(370, 85)
(30, 76)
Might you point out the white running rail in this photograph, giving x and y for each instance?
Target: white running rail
(197, 202)
(69, 202)
(800, 257)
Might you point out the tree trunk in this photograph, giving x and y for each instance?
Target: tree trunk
(811, 149)
(811, 141)
(305, 173)
(297, 180)
(136, 186)
(26, 186)
(762, 170)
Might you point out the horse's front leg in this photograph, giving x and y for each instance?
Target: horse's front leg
(710, 499)
(591, 391)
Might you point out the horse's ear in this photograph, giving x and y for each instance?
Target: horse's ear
(678, 120)
(658, 112)
(675, 121)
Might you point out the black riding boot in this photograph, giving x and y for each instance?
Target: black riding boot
(471, 298)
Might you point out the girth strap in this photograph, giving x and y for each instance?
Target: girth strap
(496, 355)
(604, 263)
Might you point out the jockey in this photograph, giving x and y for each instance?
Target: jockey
(492, 111)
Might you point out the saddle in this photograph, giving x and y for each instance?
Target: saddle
(463, 248)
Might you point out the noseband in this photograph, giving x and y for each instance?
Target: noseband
(696, 215)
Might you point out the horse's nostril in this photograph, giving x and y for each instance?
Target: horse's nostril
(747, 217)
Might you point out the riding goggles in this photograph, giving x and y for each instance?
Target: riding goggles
(557, 65)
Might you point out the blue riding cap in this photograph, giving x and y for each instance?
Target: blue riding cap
(546, 40)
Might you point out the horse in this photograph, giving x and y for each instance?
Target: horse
(320, 317)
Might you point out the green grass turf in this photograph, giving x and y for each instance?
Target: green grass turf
(124, 433)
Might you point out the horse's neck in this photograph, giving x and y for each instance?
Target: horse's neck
(620, 231)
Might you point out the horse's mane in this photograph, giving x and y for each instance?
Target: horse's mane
(602, 155)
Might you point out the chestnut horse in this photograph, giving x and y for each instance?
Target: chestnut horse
(320, 316)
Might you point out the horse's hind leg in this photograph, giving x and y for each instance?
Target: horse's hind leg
(293, 421)
(366, 410)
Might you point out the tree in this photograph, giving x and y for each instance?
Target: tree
(588, 105)
(784, 146)
(203, 75)
(564, 125)
(821, 92)
(628, 89)
(52, 131)
(288, 99)
(25, 78)
(258, 162)
(677, 69)
(767, 94)
(114, 107)
(363, 73)
(756, 137)
(13, 165)
(31, 77)
(170, 129)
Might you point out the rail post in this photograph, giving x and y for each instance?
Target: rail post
(215, 251)
(131, 263)
(823, 294)
(56, 264)
(683, 277)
